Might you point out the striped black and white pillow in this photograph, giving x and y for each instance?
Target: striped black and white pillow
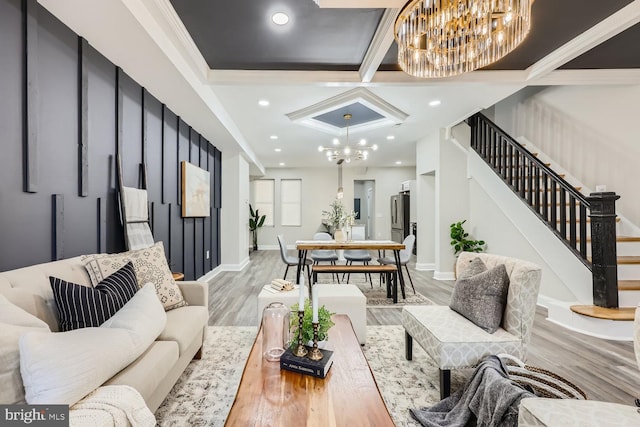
(82, 307)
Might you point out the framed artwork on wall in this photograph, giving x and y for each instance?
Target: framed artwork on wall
(196, 191)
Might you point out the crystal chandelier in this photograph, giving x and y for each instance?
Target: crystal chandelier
(442, 38)
(347, 153)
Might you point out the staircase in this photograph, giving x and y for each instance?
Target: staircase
(613, 258)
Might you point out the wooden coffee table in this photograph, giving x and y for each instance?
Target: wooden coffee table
(348, 396)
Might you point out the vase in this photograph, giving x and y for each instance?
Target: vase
(275, 330)
(339, 235)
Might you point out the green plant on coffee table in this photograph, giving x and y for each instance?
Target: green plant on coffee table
(324, 323)
(460, 241)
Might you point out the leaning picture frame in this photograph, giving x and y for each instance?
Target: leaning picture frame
(196, 191)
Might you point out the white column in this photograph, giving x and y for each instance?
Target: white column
(234, 215)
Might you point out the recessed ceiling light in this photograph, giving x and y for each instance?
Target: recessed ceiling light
(434, 103)
(280, 18)
(263, 103)
(277, 150)
(391, 137)
(273, 137)
(336, 141)
(398, 162)
(281, 164)
(362, 141)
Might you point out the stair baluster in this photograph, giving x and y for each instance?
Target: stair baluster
(549, 196)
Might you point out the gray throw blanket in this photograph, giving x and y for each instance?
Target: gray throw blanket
(489, 398)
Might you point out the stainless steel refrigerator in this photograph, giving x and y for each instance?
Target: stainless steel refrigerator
(399, 217)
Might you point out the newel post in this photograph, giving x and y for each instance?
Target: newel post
(603, 248)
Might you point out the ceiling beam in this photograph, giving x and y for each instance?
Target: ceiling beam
(602, 31)
(360, 4)
(379, 45)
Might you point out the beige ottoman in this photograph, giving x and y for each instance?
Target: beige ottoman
(288, 298)
(346, 299)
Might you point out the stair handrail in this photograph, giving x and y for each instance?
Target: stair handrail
(601, 206)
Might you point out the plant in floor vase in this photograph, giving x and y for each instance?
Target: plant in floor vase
(255, 222)
(324, 323)
(460, 241)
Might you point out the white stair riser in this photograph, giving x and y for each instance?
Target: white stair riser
(628, 298)
(628, 271)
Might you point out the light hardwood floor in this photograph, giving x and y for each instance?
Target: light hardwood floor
(605, 370)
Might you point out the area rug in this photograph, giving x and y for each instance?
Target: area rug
(205, 392)
(377, 295)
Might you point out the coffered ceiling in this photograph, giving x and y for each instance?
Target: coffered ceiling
(230, 55)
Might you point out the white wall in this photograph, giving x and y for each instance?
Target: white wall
(590, 131)
(234, 214)
(319, 187)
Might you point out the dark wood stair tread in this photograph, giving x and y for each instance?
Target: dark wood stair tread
(622, 313)
(629, 285)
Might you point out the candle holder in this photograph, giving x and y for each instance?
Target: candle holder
(300, 350)
(315, 353)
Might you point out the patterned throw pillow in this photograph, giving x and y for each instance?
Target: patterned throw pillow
(83, 307)
(149, 264)
(481, 298)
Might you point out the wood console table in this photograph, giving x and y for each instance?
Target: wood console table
(348, 396)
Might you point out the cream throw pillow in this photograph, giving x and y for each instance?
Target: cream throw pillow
(14, 322)
(150, 265)
(63, 367)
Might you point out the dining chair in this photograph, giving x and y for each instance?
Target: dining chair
(325, 255)
(291, 260)
(358, 255)
(405, 256)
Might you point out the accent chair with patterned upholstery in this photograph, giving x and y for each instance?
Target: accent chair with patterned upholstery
(454, 342)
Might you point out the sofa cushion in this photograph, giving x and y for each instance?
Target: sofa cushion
(149, 369)
(63, 367)
(149, 264)
(184, 324)
(481, 298)
(13, 323)
(81, 307)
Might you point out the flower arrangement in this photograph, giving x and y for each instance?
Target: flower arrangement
(337, 216)
(324, 323)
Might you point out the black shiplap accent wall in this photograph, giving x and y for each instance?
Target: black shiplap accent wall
(65, 113)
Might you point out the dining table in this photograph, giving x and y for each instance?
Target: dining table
(303, 246)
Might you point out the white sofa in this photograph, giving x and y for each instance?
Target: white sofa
(153, 373)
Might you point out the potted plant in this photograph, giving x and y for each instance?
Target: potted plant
(460, 241)
(256, 221)
(324, 323)
(334, 217)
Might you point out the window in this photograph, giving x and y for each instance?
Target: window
(291, 202)
(263, 195)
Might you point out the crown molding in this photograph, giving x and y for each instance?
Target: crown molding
(382, 40)
(392, 115)
(589, 77)
(602, 31)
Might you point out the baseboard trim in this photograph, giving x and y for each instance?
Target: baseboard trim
(425, 266)
(235, 267)
(444, 275)
(210, 275)
(272, 247)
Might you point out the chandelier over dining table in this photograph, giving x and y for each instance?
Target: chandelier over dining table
(338, 152)
(443, 38)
